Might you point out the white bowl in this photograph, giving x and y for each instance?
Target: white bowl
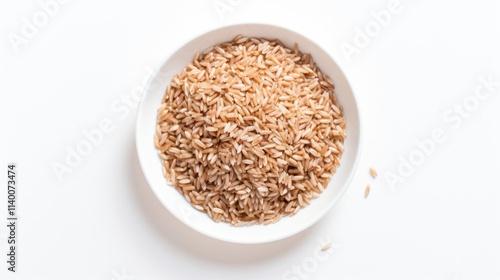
(176, 203)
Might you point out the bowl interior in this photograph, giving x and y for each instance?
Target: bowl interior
(177, 205)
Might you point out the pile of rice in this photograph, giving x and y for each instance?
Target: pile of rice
(250, 131)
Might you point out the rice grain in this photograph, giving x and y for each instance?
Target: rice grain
(367, 190)
(326, 246)
(250, 131)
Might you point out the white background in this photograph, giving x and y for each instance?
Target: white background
(103, 222)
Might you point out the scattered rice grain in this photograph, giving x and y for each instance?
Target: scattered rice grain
(326, 246)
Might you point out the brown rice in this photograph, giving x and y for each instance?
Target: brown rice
(367, 191)
(250, 131)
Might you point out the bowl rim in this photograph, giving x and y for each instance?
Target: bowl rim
(345, 186)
